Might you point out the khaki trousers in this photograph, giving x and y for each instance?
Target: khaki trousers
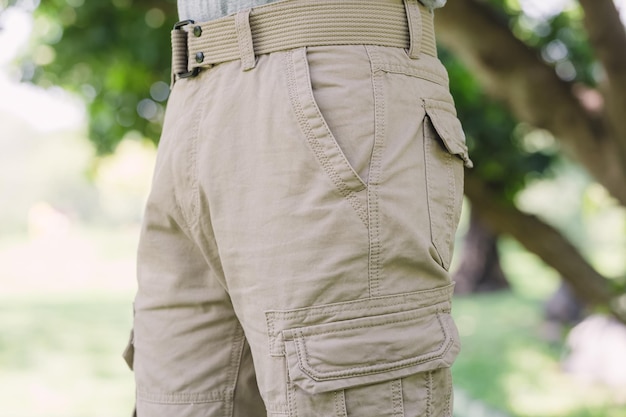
(296, 243)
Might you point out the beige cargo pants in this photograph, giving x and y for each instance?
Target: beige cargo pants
(296, 243)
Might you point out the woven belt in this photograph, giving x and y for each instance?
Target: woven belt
(293, 24)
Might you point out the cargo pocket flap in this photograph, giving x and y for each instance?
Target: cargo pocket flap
(350, 353)
(129, 351)
(448, 128)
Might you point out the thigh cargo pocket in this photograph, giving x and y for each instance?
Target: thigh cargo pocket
(365, 351)
(129, 351)
(366, 342)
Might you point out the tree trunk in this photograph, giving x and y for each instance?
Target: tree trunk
(546, 242)
(480, 269)
(514, 73)
(563, 306)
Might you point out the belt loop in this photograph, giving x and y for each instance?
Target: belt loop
(179, 51)
(414, 18)
(244, 39)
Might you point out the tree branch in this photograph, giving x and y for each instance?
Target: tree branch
(544, 241)
(514, 74)
(608, 38)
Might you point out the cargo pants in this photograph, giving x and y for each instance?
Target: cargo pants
(294, 254)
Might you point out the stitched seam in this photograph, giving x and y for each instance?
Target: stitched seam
(235, 365)
(370, 307)
(192, 178)
(273, 334)
(412, 317)
(446, 310)
(374, 267)
(429, 394)
(397, 399)
(449, 208)
(443, 238)
(448, 410)
(428, 163)
(387, 301)
(413, 72)
(291, 398)
(179, 398)
(329, 311)
(340, 404)
(193, 168)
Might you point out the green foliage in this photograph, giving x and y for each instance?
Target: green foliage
(115, 54)
(499, 145)
(493, 135)
(561, 39)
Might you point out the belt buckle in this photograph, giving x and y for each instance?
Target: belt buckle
(195, 71)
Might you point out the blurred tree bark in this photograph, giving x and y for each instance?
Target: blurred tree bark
(589, 121)
(479, 270)
(543, 240)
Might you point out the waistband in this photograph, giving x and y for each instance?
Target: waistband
(290, 24)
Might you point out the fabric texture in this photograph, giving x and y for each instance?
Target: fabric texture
(205, 10)
(295, 249)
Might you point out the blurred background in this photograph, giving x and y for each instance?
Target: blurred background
(540, 264)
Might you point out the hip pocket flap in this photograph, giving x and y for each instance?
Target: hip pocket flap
(449, 129)
(129, 351)
(363, 351)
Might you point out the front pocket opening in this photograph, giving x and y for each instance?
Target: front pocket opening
(319, 137)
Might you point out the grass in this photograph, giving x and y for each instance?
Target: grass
(61, 358)
(65, 315)
(506, 363)
(509, 362)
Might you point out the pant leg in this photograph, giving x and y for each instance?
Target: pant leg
(334, 234)
(190, 353)
(306, 207)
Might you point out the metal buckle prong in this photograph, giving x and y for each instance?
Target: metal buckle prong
(182, 23)
(189, 74)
